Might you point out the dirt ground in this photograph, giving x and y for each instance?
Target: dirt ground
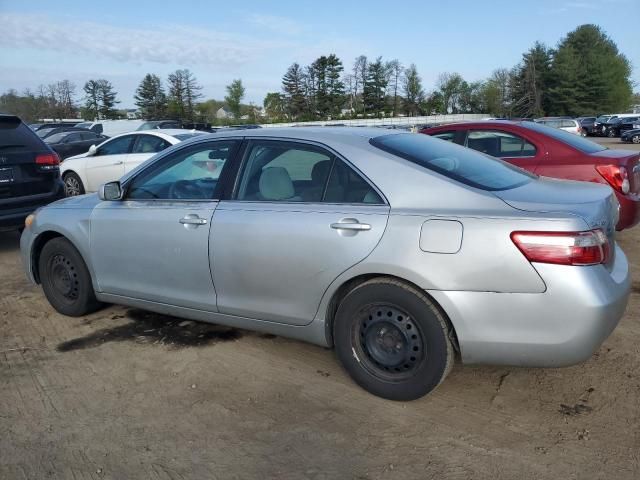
(126, 394)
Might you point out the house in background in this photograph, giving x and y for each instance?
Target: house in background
(223, 113)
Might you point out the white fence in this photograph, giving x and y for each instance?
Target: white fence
(372, 122)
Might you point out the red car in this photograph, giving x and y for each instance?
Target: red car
(552, 152)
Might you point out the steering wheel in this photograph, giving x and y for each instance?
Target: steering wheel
(186, 190)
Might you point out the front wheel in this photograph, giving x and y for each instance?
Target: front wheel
(611, 134)
(392, 340)
(636, 139)
(65, 279)
(73, 185)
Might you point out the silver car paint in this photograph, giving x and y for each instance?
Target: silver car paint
(479, 287)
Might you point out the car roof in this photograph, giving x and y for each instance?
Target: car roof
(321, 134)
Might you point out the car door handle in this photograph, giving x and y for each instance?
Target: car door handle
(351, 225)
(189, 220)
(118, 163)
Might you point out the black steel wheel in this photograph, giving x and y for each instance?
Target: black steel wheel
(65, 279)
(392, 339)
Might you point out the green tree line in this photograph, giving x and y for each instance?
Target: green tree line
(584, 74)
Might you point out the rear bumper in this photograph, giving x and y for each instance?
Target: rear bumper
(562, 326)
(14, 210)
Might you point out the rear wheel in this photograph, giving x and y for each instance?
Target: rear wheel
(611, 133)
(392, 340)
(73, 185)
(636, 139)
(65, 279)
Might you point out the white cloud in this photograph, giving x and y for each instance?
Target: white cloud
(276, 24)
(174, 44)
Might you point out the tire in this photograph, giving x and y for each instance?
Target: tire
(378, 313)
(65, 279)
(72, 185)
(611, 133)
(635, 139)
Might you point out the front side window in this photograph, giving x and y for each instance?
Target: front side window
(448, 136)
(149, 144)
(117, 146)
(192, 173)
(500, 144)
(453, 161)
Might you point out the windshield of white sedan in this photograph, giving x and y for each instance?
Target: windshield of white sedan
(458, 163)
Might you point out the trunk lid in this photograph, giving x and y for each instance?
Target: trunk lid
(623, 158)
(595, 204)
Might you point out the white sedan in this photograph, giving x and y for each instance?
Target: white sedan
(111, 159)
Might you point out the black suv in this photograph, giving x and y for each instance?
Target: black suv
(588, 125)
(29, 172)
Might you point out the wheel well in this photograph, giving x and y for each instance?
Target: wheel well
(38, 245)
(352, 283)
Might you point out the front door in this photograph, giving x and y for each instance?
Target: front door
(154, 244)
(107, 164)
(298, 219)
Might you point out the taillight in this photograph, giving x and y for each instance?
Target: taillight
(48, 160)
(616, 176)
(564, 248)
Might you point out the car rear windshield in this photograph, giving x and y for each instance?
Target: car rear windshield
(453, 161)
(575, 141)
(16, 135)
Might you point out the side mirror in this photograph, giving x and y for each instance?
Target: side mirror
(110, 192)
(92, 151)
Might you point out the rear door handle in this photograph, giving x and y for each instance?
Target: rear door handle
(352, 225)
(193, 220)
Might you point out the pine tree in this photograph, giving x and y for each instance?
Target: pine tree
(293, 87)
(530, 83)
(375, 87)
(100, 99)
(150, 98)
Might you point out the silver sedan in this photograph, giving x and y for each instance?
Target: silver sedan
(398, 250)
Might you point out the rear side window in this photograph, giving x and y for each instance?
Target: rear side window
(500, 144)
(575, 141)
(15, 135)
(453, 161)
(568, 123)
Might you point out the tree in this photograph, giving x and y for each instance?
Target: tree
(589, 74)
(412, 89)
(150, 98)
(184, 90)
(453, 89)
(274, 106)
(327, 92)
(395, 69)
(100, 99)
(375, 87)
(293, 88)
(530, 81)
(360, 71)
(235, 94)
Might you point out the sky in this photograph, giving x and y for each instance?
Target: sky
(45, 41)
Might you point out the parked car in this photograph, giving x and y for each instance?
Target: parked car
(567, 124)
(613, 127)
(554, 153)
(111, 128)
(160, 124)
(73, 142)
(628, 123)
(40, 126)
(587, 124)
(113, 158)
(631, 136)
(598, 126)
(44, 133)
(29, 172)
(302, 232)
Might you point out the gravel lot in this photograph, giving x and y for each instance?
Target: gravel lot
(128, 394)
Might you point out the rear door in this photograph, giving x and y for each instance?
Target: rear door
(107, 165)
(144, 147)
(20, 174)
(509, 146)
(300, 216)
